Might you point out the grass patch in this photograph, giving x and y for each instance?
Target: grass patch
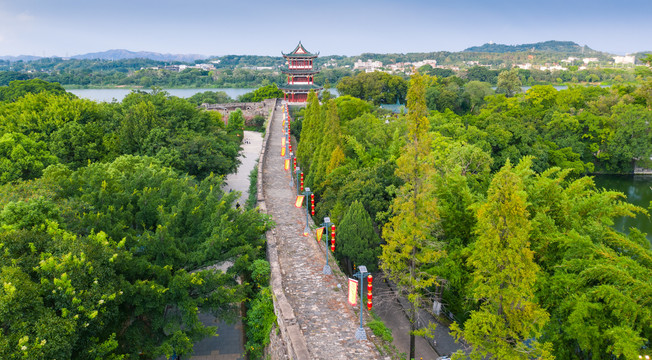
(252, 199)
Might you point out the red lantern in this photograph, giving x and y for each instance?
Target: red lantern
(369, 296)
(333, 238)
(301, 182)
(294, 164)
(312, 204)
(290, 144)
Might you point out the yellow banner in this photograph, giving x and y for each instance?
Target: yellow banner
(319, 233)
(283, 151)
(353, 292)
(299, 201)
(287, 164)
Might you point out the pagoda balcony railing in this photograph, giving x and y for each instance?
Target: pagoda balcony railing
(301, 82)
(299, 67)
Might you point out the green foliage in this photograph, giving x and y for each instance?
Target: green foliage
(377, 87)
(210, 97)
(252, 199)
(592, 281)
(311, 133)
(379, 329)
(260, 320)
(409, 249)
(103, 256)
(22, 158)
(508, 83)
(503, 277)
(265, 92)
(357, 241)
(19, 88)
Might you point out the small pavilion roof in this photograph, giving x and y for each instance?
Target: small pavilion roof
(300, 51)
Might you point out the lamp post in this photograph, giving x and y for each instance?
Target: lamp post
(360, 334)
(306, 230)
(327, 224)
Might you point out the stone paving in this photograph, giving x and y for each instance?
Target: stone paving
(327, 322)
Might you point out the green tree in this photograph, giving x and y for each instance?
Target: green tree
(358, 243)
(22, 158)
(508, 83)
(504, 277)
(210, 97)
(19, 88)
(408, 233)
(270, 91)
(311, 132)
(476, 92)
(328, 147)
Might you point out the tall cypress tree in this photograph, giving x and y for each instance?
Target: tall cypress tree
(330, 141)
(310, 132)
(358, 242)
(410, 245)
(509, 320)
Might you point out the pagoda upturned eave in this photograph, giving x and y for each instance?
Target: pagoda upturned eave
(299, 71)
(300, 87)
(302, 56)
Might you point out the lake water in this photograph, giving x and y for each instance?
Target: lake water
(109, 95)
(638, 189)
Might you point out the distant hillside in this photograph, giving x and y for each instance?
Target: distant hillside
(549, 46)
(120, 54)
(20, 58)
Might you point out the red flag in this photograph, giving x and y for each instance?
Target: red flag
(299, 201)
(353, 292)
(319, 233)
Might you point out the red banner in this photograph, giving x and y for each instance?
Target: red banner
(319, 233)
(299, 201)
(353, 292)
(287, 164)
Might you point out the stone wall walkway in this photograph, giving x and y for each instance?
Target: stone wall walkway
(317, 305)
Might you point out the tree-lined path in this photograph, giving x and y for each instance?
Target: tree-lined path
(326, 320)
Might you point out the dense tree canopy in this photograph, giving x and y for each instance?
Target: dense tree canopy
(110, 215)
(552, 278)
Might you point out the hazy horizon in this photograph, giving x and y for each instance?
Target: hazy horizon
(215, 28)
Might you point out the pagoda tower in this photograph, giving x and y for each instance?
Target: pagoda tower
(300, 72)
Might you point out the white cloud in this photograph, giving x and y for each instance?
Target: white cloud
(25, 17)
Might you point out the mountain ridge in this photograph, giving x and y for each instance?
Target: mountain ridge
(546, 46)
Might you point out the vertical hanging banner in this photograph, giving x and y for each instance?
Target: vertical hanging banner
(353, 292)
(287, 164)
(319, 233)
(299, 201)
(283, 146)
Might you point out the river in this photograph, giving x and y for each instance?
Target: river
(108, 95)
(638, 189)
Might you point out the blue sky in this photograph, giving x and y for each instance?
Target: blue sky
(258, 27)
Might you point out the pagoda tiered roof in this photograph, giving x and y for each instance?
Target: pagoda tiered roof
(300, 87)
(299, 71)
(300, 52)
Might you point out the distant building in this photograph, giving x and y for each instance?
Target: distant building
(625, 60)
(527, 66)
(589, 60)
(553, 68)
(367, 66)
(300, 75)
